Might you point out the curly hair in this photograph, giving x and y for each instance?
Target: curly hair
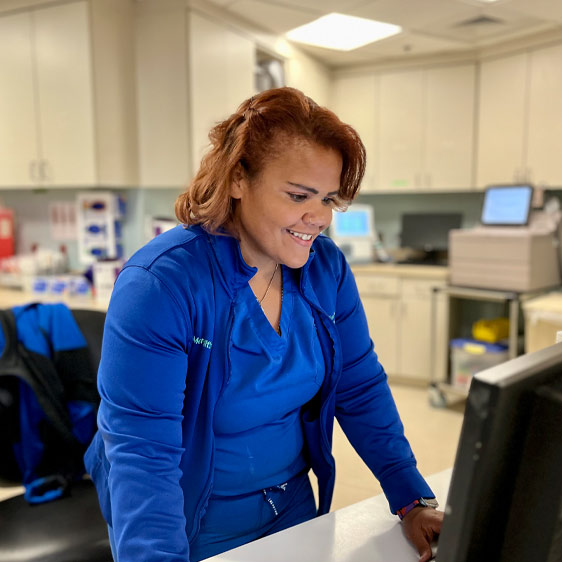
(262, 126)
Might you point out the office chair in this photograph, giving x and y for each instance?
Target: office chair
(70, 529)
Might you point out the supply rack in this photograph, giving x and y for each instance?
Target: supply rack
(440, 387)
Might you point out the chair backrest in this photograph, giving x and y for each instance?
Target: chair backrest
(91, 323)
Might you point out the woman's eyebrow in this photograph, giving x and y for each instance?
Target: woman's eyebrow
(310, 189)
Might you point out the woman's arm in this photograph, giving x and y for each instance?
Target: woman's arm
(365, 407)
(142, 380)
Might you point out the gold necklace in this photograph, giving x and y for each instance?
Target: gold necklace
(269, 284)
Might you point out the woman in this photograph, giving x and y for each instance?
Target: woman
(232, 341)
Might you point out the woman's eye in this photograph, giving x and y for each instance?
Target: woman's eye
(329, 201)
(298, 197)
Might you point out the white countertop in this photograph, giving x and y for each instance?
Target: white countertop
(15, 297)
(363, 532)
(403, 270)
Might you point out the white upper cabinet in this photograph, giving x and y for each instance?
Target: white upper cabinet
(19, 152)
(64, 94)
(426, 123)
(520, 119)
(192, 73)
(222, 65)
(544, 153)
(354, 102)
(162, 89)
(501, 120)
(449, 127)
(401, 130)
(56, 121)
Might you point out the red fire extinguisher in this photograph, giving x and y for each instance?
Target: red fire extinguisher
(6, 232)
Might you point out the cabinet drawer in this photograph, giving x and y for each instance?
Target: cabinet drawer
(377, 285)
(419, 288)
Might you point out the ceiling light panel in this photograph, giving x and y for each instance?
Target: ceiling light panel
(342, 32)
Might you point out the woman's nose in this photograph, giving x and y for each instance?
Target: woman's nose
(318, 217)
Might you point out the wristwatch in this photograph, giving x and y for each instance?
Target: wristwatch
(421, 502)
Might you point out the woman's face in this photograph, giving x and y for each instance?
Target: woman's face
(288, 205)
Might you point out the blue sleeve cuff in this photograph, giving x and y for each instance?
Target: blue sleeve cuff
(404, 486)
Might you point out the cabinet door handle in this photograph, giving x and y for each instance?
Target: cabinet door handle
(44, 171)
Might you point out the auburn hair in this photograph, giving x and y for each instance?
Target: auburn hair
(260, 127)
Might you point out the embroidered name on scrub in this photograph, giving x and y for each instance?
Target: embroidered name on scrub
(202, 341)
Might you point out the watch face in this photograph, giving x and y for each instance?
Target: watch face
(429, 502)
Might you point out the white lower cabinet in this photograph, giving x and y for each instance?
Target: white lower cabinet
(399, 313)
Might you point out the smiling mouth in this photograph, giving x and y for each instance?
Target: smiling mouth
(301, 236)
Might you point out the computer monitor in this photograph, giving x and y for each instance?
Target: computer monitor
(428, 231)
(356, 222)
(354, 232)
(428, 235)
(507, 205)
(505, 499)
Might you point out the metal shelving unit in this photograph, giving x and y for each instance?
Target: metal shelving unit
(440, 390)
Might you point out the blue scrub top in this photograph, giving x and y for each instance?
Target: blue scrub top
(259, 438)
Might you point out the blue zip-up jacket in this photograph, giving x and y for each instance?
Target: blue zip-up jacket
(165, 360)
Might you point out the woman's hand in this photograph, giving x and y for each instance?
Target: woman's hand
(422, 526)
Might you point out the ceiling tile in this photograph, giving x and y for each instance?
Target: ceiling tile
(272, 17)
(413, 14)
(318, 6)
(491, 24)
(411, 44)
(403, 46)
(549, 10)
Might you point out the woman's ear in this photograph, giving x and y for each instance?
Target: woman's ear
(239, 182)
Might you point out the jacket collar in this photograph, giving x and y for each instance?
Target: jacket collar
(236, 272)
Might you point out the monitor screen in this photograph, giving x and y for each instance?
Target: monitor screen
(356, 222)
(505, 499)
(507, 205)
(428, 231)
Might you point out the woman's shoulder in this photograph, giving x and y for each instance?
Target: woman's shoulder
(184, 246)
(178, 260)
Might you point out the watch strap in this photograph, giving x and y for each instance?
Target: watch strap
(421, 502)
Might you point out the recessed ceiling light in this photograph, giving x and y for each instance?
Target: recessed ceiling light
(342, 32)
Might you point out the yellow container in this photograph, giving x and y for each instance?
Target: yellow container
(491, 331)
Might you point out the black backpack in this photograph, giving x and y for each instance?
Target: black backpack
(48, 407)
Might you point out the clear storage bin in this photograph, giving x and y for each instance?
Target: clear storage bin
(469, 357)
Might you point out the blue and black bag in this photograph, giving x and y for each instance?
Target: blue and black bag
(48, 399)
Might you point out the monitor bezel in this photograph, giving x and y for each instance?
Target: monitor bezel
(507, 186)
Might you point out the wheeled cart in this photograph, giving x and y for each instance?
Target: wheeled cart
(441, 389)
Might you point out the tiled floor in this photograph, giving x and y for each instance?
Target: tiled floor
(433, 434)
